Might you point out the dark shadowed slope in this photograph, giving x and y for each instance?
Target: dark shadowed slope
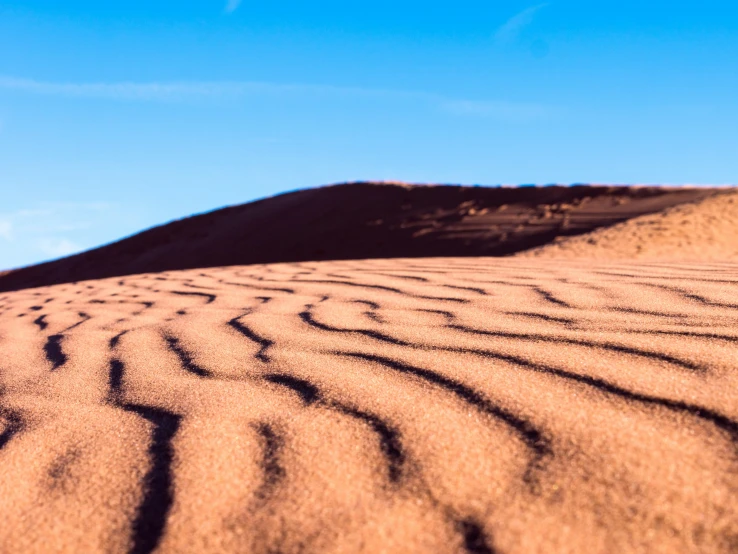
(362, 220)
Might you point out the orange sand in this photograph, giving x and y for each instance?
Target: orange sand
(706, 230)
(447, 405)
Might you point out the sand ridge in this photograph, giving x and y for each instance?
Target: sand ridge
(364, 221)
(412, 405)
(704, 230)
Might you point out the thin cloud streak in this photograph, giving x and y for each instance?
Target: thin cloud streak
(515, 25)
(173, 91)
(58, 246)
(6, 230)
(44, 229)
(232, 6)
(506, 111)
(127, 90)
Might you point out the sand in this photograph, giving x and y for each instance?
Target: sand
(472, 405)
(364, 221)
(704, 230)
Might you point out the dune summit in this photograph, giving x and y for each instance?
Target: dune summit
(410, 405)
(363, 221)
(705, 230)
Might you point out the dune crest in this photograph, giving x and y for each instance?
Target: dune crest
(363, 221)
(410, 405)
(706, 230)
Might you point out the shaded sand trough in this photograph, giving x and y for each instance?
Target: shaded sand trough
(448, 405)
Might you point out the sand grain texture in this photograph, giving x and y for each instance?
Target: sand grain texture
(446, 405)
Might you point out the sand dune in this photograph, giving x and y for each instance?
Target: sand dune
(706, 230)
(361, 221)
(411, 405)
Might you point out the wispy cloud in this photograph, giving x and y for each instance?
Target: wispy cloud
(173, 91)
(49, 229)
(514, 26)
(129, 90)
(509, 111)
(58, 246)
(232, 5)
(6, 229)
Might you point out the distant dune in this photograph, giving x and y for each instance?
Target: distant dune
(706, 230)
(360, 221)
(468, 406)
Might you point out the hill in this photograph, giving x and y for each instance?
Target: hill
(361, 221)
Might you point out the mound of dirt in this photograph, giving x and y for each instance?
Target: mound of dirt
(706, 230)
(360, 221)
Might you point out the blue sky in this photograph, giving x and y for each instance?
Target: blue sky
(118, 115)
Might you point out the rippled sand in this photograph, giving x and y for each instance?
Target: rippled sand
(445, 405)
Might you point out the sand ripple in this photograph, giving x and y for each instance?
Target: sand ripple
(413, 405)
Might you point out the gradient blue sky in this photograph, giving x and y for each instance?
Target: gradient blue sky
(118, 115)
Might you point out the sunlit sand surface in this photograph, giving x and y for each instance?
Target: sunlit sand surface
(470, 405)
